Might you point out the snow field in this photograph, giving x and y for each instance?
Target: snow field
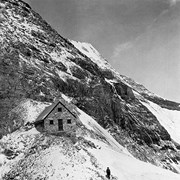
(127, 168)
(30, 109)
(121, 163)
(92, 53)
(91, 124)
(169, 119)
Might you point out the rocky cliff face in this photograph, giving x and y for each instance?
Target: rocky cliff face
(37, 64)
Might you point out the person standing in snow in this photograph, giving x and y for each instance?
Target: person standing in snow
(108, 173)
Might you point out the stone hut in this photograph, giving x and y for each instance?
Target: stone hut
(56, 118)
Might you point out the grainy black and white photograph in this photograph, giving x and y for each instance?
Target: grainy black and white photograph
(89, 89)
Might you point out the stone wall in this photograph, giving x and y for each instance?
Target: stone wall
(55, 115)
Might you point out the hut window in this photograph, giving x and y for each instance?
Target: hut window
(51, 122)
(69, 121)
(59, 109)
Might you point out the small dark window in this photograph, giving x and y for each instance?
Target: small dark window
(51, 122)
(69, 121)
(59, 109)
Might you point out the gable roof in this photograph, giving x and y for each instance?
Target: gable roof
(49, 109)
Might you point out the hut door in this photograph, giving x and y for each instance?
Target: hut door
(60, 124)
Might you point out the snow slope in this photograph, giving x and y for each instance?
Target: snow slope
(169, 119)
(84, 157)
(121, 163)
(30, 109)
(91, 124)
(124, 167)
(92, 53)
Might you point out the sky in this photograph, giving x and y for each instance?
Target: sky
(139, 38)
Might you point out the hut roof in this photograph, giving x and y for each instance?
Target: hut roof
(49, 109)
